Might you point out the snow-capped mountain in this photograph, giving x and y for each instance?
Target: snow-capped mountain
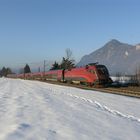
(117, 56)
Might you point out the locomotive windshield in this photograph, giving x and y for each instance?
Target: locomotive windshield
(102, 70)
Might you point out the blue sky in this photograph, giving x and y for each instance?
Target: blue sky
(34, 30)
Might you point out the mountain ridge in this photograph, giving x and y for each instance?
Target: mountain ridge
(117, 56)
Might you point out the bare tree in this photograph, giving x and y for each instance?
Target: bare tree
(136, 78)
(68, 62)
(68, 53)
(118, 76)
(138, 75)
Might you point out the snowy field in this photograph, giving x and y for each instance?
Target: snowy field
(31, 110)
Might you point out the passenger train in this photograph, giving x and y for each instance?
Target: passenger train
(92, 74)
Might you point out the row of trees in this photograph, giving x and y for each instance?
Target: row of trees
(133, 79)
(5, 71)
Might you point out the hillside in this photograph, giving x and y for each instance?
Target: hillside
(117, 56)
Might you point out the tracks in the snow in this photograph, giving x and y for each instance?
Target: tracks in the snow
(100, 106)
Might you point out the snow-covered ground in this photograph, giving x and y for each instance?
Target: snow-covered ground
(31, 110)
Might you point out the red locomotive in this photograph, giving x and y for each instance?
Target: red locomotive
(91, 74)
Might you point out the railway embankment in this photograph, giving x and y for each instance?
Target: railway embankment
(131, 91)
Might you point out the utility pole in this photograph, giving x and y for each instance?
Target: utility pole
(38, 69)
(45, 66)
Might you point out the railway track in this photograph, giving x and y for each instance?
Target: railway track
(125, 91)
(121, 91)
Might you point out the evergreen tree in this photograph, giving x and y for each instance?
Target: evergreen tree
(27, 69)
(8, 71)
(4, 72)
(55, 66)
(67, 63)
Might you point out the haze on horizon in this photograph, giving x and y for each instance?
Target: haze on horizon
(34, 30)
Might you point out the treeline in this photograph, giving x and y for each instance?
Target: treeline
(5, 71)
(66, 63)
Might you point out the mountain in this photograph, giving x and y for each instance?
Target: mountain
(117, 56)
